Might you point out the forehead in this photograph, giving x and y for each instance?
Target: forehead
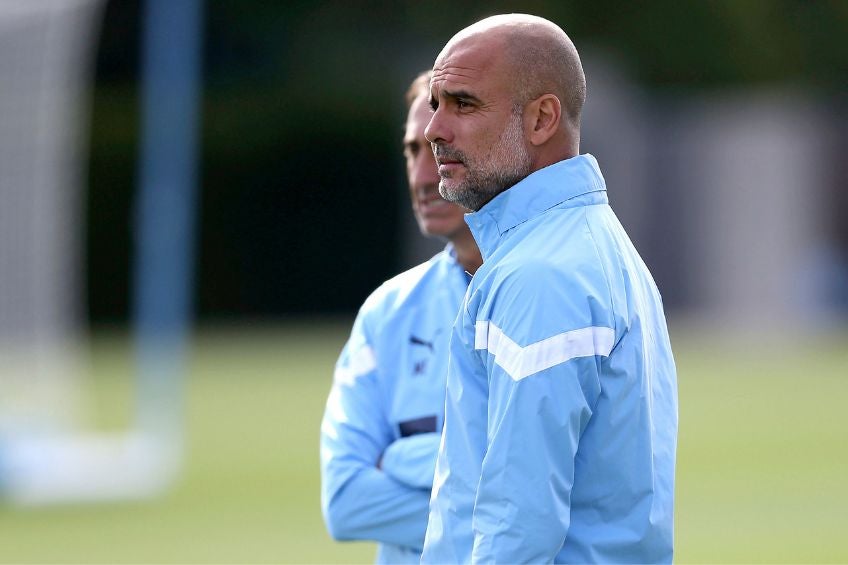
(473, 63)
(418, 117)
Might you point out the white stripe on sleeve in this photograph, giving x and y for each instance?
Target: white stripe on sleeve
(359, 363)
(520, 362)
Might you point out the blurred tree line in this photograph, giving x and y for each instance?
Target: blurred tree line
(302, 183)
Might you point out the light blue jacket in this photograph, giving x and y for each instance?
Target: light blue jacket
(561, 415)
(387, 405)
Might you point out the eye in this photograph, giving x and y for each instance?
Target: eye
(411, 149)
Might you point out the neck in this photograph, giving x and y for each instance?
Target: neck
(564, 146)
(467, 253)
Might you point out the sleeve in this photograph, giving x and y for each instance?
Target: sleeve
(360, 502)
(543, 343)
(412, 460)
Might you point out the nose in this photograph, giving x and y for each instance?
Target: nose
(424, 171)
(437, 130)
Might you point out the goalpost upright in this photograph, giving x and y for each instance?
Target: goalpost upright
(46, 55)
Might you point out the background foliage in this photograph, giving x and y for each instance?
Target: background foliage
(302, 184)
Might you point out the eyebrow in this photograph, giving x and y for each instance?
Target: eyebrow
(455, 95)
(464, 94)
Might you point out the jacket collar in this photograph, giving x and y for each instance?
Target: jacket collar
(536, 193)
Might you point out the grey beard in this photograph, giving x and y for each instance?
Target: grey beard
(476, 192)
(506, 164)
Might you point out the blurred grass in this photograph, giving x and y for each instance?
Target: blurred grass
(763, 450)
(762, 460)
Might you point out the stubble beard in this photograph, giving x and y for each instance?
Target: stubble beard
(507, 163)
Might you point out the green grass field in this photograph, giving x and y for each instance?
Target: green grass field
(762, 459)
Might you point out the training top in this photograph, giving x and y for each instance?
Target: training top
(561, 411)
(387, 405)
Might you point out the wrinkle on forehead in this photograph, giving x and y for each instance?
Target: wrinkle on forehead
(467, 72)
(455, 74)
(463, 62)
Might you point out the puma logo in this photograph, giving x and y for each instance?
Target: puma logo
(418, 341)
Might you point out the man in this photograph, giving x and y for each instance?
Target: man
(381, 427)
(561, 412)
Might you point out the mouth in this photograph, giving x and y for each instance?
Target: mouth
(448, 160)
(448, 166)
(429, 201)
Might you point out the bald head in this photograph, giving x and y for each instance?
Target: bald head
(506, 95)
(539, 56)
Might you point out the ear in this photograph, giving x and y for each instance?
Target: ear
(544, 115)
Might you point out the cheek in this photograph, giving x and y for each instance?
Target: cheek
(481, 141)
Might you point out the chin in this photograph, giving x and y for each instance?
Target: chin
(448, 189)
(442, 229)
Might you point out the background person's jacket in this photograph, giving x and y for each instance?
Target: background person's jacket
(387, 406)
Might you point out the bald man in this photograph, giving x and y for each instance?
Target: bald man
(381, 428)
(561, 414)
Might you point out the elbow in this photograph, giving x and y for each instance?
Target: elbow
(345, 503)
(338, 519)
(333, 502)
(337, 530)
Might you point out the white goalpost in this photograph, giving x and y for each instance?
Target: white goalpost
(44, 70)
(47, 52)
